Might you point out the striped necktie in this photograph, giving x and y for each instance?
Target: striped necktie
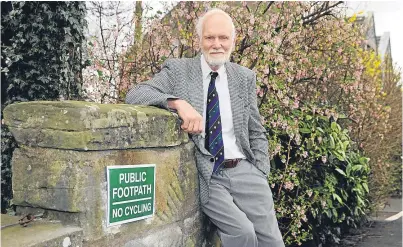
(214, 142)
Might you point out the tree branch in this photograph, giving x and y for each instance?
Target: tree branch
(268, 7)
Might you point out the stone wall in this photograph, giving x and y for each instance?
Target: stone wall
(59, 169)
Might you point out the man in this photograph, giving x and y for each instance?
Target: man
(216, 101)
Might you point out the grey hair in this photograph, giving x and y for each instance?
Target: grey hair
(210, 12)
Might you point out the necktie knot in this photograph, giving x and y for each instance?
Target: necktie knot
(213, 75)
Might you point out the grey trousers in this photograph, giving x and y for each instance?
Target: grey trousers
(241, 206)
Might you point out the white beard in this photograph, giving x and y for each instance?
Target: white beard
(212, 61)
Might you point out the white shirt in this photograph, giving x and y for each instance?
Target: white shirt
(231, 150)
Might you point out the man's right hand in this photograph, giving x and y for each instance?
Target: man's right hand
(192, 120)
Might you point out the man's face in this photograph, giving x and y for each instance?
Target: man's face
(217, 40)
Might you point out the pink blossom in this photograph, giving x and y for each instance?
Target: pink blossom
(252, 21)
(289, 185)
(295, 105)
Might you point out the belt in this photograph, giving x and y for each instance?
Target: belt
(231, 163)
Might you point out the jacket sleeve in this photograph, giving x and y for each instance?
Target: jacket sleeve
(257, 133)
(156, 91)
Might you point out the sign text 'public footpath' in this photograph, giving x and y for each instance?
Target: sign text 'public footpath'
(131, 193)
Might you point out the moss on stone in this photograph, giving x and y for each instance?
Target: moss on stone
(190, 242)
(90, 126)
(56, 170)
(54, 114)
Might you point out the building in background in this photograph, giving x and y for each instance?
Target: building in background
(380, 44)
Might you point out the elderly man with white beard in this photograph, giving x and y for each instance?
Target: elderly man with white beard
(216, 101)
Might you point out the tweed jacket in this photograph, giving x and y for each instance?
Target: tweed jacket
(182, 78)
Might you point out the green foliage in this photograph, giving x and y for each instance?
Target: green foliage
(40, 59)
(42, 50)
(320, 182)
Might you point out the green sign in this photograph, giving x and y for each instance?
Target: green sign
(131, 193)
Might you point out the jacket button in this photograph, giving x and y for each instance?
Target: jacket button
(211, 159)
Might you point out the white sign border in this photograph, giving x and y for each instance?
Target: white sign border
(108, 168)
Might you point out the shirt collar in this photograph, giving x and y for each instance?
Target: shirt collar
(206, 68)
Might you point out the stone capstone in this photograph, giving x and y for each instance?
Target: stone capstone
(80, 125)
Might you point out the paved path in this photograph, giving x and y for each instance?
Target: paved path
(386, 230)
(383, 234)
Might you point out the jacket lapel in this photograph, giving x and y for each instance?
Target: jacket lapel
(237, 89)
(196, 85)
(196, 97)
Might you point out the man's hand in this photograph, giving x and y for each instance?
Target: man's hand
(192, 120)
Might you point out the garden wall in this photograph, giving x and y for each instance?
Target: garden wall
(60, 169)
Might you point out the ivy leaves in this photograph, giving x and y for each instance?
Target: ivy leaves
(42, 50)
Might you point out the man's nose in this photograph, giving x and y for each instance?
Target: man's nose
(216, 43)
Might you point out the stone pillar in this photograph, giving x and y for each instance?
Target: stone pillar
(59, 169)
